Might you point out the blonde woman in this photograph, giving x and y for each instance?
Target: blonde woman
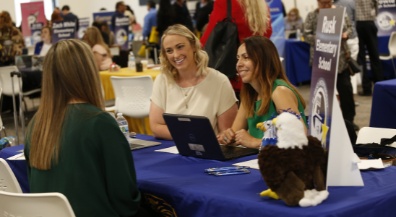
(293, 21)
(72, 145)
(187, 86)
(101, 51)
(252, 17)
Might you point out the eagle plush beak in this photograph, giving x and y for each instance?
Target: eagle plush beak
(261, 127)
(274, 121)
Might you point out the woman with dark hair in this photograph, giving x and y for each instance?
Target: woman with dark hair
(56, 17)
(203, 9)
(265, 91)
(42, 47)
(165, 16)
(72, 145)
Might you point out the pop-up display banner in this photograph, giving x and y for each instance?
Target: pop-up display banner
(35, 29)
(121, 32)
(104, 16)
(63, 30)
(83, 25)
(326, 121)
(278, 27)
(386, 17)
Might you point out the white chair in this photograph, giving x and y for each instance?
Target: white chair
(115, 51)
(132, 96)
(1, 121)
(392, 50)
(373, 134)
(8, 181)
(43, 204)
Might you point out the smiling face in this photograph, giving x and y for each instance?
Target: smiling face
(245, 66)
(180, 53)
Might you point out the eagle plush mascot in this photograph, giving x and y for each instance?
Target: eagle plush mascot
(294, 166)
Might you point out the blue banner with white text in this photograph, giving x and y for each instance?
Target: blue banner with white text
(386, 17)
(121, 32)
(35, 28)
(83, 25)
(104, 17)
(63, 30)
(278, 28)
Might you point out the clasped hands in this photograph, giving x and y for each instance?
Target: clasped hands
(240, 137)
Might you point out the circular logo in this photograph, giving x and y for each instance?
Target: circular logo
(121, 37)
(319, 111)
(385, 20)
(81, 32)
(192, 137)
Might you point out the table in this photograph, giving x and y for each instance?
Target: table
(180, 184)
(297, 61)
(383, 107)
(133, 123)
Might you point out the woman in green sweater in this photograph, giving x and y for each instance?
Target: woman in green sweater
(265, 91)
(72, 145)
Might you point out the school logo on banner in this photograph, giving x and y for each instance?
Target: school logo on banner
(386, 17)
(121, 32)
(36, 32)
(63, 30)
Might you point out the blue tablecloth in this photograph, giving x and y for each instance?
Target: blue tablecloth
(297, 61)
(383, 109)
(181, 183)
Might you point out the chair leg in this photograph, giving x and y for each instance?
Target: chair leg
(144, 127)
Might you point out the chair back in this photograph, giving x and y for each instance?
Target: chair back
(5, 80)
(31, 50)
(392, 45)
(8, 181)
(133, 95)
(43, 204)
(115, 51)
(373, 134)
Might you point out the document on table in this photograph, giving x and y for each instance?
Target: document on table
(370, 164)
(20, 156)
(251, 163)
(172, 150)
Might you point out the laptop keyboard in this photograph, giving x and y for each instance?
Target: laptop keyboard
(235, 152)
(135, 146)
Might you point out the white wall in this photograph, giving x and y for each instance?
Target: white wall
(7, 5)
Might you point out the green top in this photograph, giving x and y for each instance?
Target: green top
(95, 170)
(253, 121)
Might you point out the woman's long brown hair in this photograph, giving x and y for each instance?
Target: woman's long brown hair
(93, 36)
(70, 73)
(268, 67)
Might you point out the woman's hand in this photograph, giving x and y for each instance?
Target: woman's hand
(242, 137)
(226, 137)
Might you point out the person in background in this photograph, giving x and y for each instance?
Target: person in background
(69, 16)
(67, 142)
(120, 10)
(265, 92)
(106, 29)
(57, 10)
(101, 51)
(43, 47)
(56, 17)
(129, 13)
(353, 41)
(366, 14)
(105, 35)
(293, 20)
(343, 83)
(187, 86)
(252, 17)
(202, 11)
(150, 20)
(182, 14)
(166, 16)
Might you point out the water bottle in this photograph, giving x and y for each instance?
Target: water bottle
(298, 35)
(123, 124)
(7, 142)
(131, 61)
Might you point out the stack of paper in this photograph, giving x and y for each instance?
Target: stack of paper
(251, 163)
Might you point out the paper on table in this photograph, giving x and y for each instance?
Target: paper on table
(370, 164)
(172, 150)
(251, 163)
(20, 156)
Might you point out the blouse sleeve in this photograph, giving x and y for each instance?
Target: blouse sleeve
(227, 96)
(158, 96)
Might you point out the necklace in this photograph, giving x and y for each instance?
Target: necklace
(185, 94)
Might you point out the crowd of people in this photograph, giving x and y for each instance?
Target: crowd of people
(71, 128)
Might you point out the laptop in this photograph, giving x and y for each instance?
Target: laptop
(135, 144)
(194, 137)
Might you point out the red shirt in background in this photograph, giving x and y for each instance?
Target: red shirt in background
(219, 13)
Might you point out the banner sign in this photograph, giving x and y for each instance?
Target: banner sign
(83, 25)
(36, 32)
(324, 71)
(386, 17)
(121, 32)
(32, 12)
(104, 17)
(278, 28)
(63, 30)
